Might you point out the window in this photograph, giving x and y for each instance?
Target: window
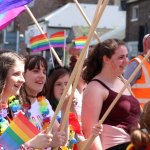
(10, 27)
(135, 13)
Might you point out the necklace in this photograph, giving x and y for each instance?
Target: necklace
(44, 111)
(14, 105)
(3, 122)
(28, 95)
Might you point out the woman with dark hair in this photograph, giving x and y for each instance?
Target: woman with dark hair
(52, 84)
(103, 69)
(57, 82)
(11, 80)
(36, 106)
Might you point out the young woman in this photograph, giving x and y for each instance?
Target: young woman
(57, 82)
(36, 106)
(11, 80)
(103, 68)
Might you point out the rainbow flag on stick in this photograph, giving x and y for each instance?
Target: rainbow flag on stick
(57, 39)
(80, 42)
(39, 43)
(19, 131)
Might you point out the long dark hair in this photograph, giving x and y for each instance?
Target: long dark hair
(94, 62)
(32, 61)
(54, 75)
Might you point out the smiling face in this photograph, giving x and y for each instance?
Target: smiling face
(14, 79)
(35, 79)
(119, 60)
(60, 86)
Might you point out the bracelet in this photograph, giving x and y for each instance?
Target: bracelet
(24, 147)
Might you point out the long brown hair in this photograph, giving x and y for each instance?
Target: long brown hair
(94, 62)
(32, 61)
(7, 61)
(54, 75)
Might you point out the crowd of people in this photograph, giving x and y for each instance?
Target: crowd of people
(38, 91)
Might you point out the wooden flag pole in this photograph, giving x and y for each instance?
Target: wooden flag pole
(92, 29)
(95, 33)
(86, 19)
(40, 29)
(91, 139)
(90, 35)
(70, 81)
(64, 56)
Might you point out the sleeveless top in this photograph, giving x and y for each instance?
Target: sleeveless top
(125, 113)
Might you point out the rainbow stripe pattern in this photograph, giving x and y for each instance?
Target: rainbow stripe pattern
(57, 39)
(19, 131)
(80, 42)
(39, 43)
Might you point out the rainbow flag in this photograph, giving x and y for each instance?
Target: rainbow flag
(39, 43)
(80, 42)
(19, 131)
(6, 5)
(7, 17)
(57, 39)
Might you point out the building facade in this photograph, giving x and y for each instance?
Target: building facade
(16, 30)
(138, 24)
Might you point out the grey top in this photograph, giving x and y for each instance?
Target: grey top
(130, 69)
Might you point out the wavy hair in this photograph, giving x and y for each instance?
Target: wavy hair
(54, 75)
(94, 62)
(8, 59)
(32, 61)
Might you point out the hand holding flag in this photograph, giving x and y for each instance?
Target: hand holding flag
(19, 131)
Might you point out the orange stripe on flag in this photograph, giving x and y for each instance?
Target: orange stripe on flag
(19, 132)
(24, 127)
(25, 121)
(38, 38)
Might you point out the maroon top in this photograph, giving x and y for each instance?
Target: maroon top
(125, 113)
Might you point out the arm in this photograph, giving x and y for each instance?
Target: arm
(91, 108)
(130, 69)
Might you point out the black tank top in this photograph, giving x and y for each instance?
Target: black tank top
(125, 113)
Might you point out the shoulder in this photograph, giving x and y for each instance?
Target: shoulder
(95, 91)
(96, 86)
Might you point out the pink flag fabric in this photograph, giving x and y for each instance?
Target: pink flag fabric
(7, 17)
(6, 5)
